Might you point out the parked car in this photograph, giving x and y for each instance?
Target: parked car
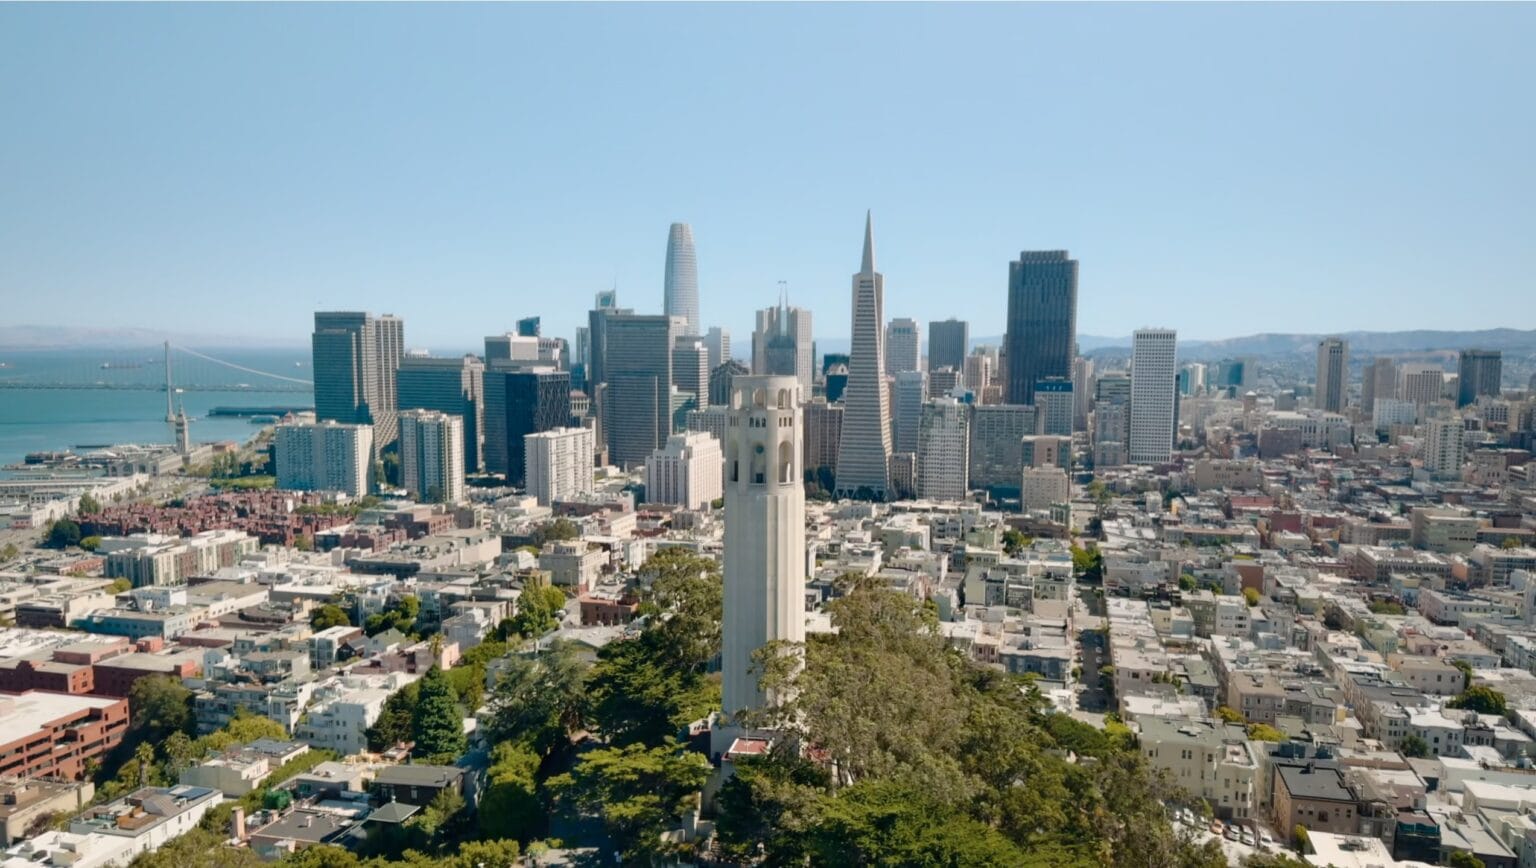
(1230, 833)
(1266, 840)
(1246, 835)
(1215, 827)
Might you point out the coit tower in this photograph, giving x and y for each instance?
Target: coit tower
(764, 531)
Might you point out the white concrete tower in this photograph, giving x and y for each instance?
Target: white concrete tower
(764, 531)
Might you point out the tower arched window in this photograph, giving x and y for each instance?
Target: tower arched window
(786, 462)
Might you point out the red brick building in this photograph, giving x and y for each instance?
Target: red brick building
(50, 734)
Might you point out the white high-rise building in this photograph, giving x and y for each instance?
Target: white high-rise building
(864, 452)
(907, 413)
(432, 455)
(1420, 383)
(1154, 389)
(903, 346)
(681, 283)
(1332, 375)
(943, 450)
(1444, 447)
(558, 463)
(324, 456)
(685, 472)
(765, 555)
(1387, 412)
(718, 342)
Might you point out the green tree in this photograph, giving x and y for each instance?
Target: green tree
(393, 725)
(1265, 732)
(63, 534)
(560, 530)
(89, 505)
(1186, 582)
(158, 706)
(1413, 746)
(636, 694)
(119, 586)
(328, 616)
(1464, 859)
(1015, 541)
(1230, 715)
(1251, 595)
(437, 724)
(639, 791)
(1466, 672)
(1300, 837)
(144, 763)
(90, 543)
(180, 752)
(400, 614)
(540, 700)
(539, 607)
(884, 823)
(1510, 543)
(510, 807)
(1088, 564)
(1481, 699)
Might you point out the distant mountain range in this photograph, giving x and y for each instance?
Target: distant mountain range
(1515, 341)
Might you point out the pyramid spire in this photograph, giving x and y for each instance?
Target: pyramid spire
(869, 245)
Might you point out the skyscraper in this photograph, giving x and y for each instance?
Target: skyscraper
(558, 463)
(605, 306)
(1378, 381)
(764, 536)
(907, 410)
(355, 358)
(943, 450)
(1054, 405)
(323, 456)
(947, 341)
(903, 346)
(1332, 375)
(720, 378)
(681, 286)
(864, 454)
(520, 401)
(782, 344)
(1420, 383)
(432, 456)
(690, 369)
(1479, 373)
(1444, 447)
(1154, 389)
(454, 386)
(1042, 320)
(528, 327)
(996, 431)
(718, 342)
(637, 406)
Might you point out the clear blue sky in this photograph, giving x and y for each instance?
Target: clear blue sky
(1220, 169)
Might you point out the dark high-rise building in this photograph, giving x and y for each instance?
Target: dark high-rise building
(1042, 320)
(528, 327)
(355, 358)
(606, 306)
(720, 381)
(947, 341)
(637, 405)
(453, 386)
(1332, 375)
(1480, 373)
(520, 400)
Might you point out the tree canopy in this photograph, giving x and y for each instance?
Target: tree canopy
(1481, 699)
(437, 722)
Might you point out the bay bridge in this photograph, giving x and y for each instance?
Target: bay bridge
(166, 369)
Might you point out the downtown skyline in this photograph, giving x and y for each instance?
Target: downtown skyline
(344, 178)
